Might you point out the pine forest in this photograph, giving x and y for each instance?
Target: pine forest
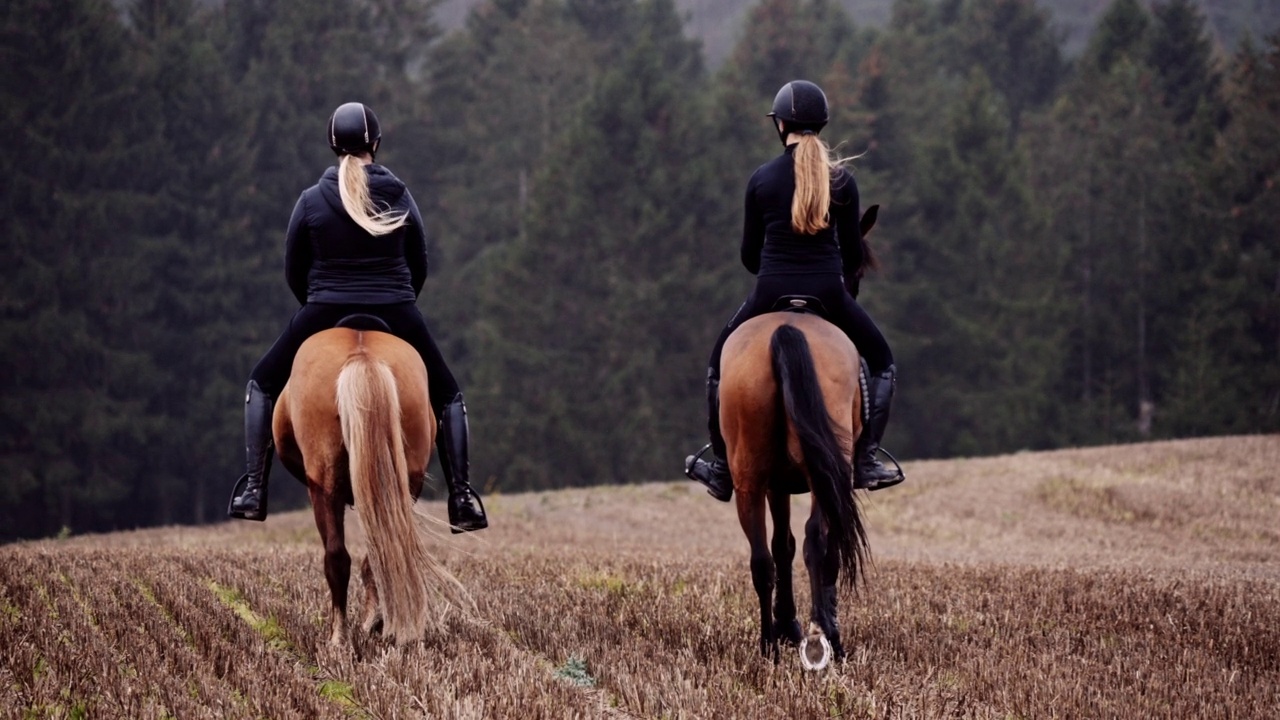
(1079, 242)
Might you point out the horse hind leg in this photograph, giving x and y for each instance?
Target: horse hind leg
(751, 515)
(328, 511)
(830, 600)
(787, 627)
(822, 562)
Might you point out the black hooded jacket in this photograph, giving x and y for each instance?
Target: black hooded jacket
(330, 259)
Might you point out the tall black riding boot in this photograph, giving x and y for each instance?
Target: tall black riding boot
(466, 512)
(714, 474)
(249, 497)
(871, 473)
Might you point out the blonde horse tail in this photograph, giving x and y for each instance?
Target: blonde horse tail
(369, 410)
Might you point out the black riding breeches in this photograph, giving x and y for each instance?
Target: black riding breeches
(839, 308)
(405, 320)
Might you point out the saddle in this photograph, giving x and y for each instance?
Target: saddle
(800, 304)
(363, 321)
(811, 304)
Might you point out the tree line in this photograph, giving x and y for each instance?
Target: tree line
(1076, 250)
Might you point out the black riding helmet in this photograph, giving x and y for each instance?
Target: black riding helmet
(354, 129)
(802, 106)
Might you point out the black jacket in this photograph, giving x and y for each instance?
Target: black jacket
(771, 247)
(328, 258)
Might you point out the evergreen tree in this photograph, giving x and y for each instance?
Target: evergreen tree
(1121, 33)
(872, 115)
(975, 304)
(1189, 81)
(200, 261)
(500, 93)
(1011, 41)
(585, 334)
(69, 364)
(1181, 52)
(1125, 231)
(1226, 377)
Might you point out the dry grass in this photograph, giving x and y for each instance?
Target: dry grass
(1137, 581)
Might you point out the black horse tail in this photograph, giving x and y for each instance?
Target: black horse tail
(830, 471)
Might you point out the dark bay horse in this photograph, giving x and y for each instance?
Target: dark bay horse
(791, 413)
(790, 410)
(355, 424)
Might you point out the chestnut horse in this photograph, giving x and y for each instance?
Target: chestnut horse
(355, 424)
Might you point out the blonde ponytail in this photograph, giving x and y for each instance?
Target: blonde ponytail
(811, 203)
(353, 186)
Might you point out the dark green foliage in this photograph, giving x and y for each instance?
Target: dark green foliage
(1011, 41)
(73, 408)
(500, 94)
(584, 312)
(1182, 54)
(204, 266)
(1118, 223)
(1121, 33)
(976, 310)
(1227, 377)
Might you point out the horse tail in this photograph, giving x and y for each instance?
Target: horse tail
(369, 411)
(829, 468)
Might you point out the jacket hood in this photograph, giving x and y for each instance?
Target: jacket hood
(385, 188)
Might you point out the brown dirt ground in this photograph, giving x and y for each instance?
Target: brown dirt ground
(1207, 506)
(1127, 581)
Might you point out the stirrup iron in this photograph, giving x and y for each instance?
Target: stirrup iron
(692, 461)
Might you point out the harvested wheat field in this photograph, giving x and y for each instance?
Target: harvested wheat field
(1136, 581)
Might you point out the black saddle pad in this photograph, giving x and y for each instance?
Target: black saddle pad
(362, 321)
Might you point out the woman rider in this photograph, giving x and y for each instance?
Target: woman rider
(356, 245)
(801, 237)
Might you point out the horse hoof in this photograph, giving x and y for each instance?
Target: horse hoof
(815, 652)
